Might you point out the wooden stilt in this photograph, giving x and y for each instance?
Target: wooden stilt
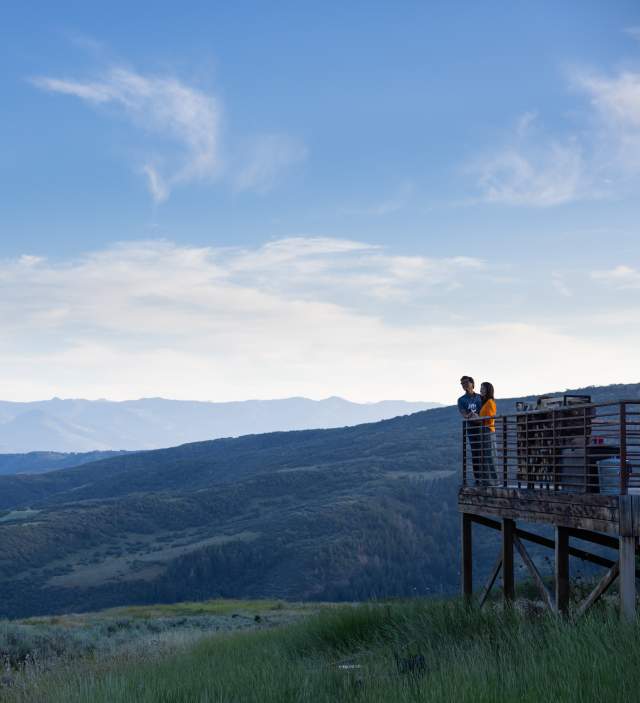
(467, 557)
(562, 570)
(627, 553)
(508, 576)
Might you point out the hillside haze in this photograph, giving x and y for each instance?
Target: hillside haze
(336, 514)
(59, 425)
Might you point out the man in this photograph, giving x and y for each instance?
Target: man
(469, 406)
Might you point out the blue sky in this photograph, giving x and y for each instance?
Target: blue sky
(229, 201)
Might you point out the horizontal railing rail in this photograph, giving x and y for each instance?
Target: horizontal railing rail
(580, 448)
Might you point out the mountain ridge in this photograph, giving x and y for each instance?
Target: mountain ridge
(78, 425)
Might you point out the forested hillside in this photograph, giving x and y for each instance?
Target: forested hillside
(41, 462)
(349, 513)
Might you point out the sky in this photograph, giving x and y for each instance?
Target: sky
(224, 201)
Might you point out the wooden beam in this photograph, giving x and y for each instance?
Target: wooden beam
(601, 588)
(627, 561)
(467, 557)
(508, 575)
(549, 543)
(562, 570)
(486, 521)
(491, 580)
(595, 537)
(546, 596)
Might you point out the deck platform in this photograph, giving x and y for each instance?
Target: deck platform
(575, 469)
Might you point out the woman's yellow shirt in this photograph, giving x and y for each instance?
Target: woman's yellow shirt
(489, 410)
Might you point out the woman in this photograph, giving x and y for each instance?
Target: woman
(488, 445)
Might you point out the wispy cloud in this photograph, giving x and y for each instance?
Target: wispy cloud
(397, 200)
(530, 173)
(559, 283)
(633, 32)
(265, 159)
(615, 101)
(185, 122)
(619, 277)
(593, 160)
(166, 107)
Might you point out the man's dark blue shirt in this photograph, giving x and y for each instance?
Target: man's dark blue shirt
(470, 403)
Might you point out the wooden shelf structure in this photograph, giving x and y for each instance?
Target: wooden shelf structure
(575, 468)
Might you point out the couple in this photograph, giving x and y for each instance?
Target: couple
(483, 432)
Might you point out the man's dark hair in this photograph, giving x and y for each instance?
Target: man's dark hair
(467, 378)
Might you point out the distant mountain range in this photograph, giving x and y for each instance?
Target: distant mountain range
(59, 425)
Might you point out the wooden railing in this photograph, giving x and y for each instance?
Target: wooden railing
(584, 448)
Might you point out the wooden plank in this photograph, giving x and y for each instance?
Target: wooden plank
(598, 499)
(508, 574)
(538, 508)
(562, 570)
(627, 561)
(527, 502)
(546, 596)
(541, 506)
(565, 521)
(491, 580)
(601, 588)
(467, 556)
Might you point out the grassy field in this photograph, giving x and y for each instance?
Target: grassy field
(405, 651)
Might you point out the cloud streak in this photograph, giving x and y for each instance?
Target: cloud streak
(265, 160)
(599, 159)
(185, 124)
(166, 107)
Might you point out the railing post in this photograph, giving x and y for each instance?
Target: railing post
(586, 450)
(464, 452)
(554, 451)
(624, 473)
(480, 436)
(505, 466)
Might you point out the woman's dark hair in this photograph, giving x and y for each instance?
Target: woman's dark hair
(489, 391)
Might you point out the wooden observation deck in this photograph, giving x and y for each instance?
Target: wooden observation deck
(571, 464)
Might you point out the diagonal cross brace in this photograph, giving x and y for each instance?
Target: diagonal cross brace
(491, 580)
(544, 592)
(599, 590)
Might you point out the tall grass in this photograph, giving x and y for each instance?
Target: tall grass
(367, 653)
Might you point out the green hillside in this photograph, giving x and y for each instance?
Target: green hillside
(342, 514)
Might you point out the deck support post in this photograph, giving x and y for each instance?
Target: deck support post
(508, 577)
(562, 570)
(467, 557)
(627, 578)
